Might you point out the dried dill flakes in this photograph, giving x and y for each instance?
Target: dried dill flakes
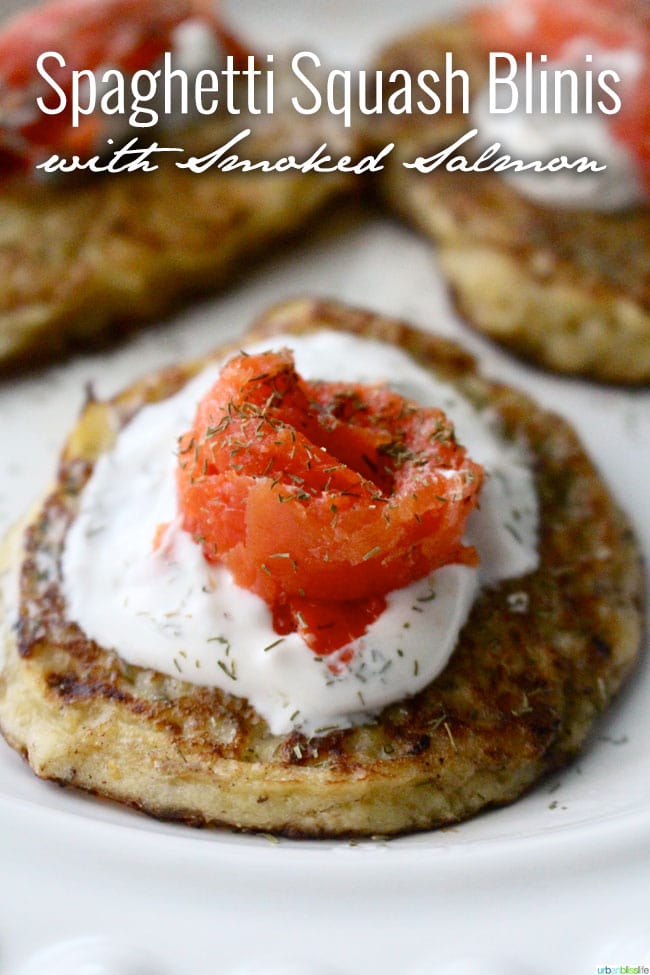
(428, 597)
(231, 671)
(524, 707)
(623, 740)
(441, 719)
(287, 556)
(452, 741)
(270, 838)
(222, 640)
(326, 729)
(275, 643)
(514, 532)
(555, 805)
(371, 554)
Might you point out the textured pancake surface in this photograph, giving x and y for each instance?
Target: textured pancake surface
(568, 289)
(538, 660)
(84, 257)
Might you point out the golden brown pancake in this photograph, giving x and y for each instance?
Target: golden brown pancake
(567, 289)
(83, 258)
(539, 659)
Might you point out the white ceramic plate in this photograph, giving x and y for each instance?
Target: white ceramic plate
(558, 881)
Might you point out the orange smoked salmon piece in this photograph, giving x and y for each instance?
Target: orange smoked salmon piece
(322, 497)
(548, 27)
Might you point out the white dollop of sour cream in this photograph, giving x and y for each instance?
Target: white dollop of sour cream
(544, 136)
(171, 611)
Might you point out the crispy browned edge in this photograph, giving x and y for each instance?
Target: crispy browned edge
(517, 700)
(566, 289)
